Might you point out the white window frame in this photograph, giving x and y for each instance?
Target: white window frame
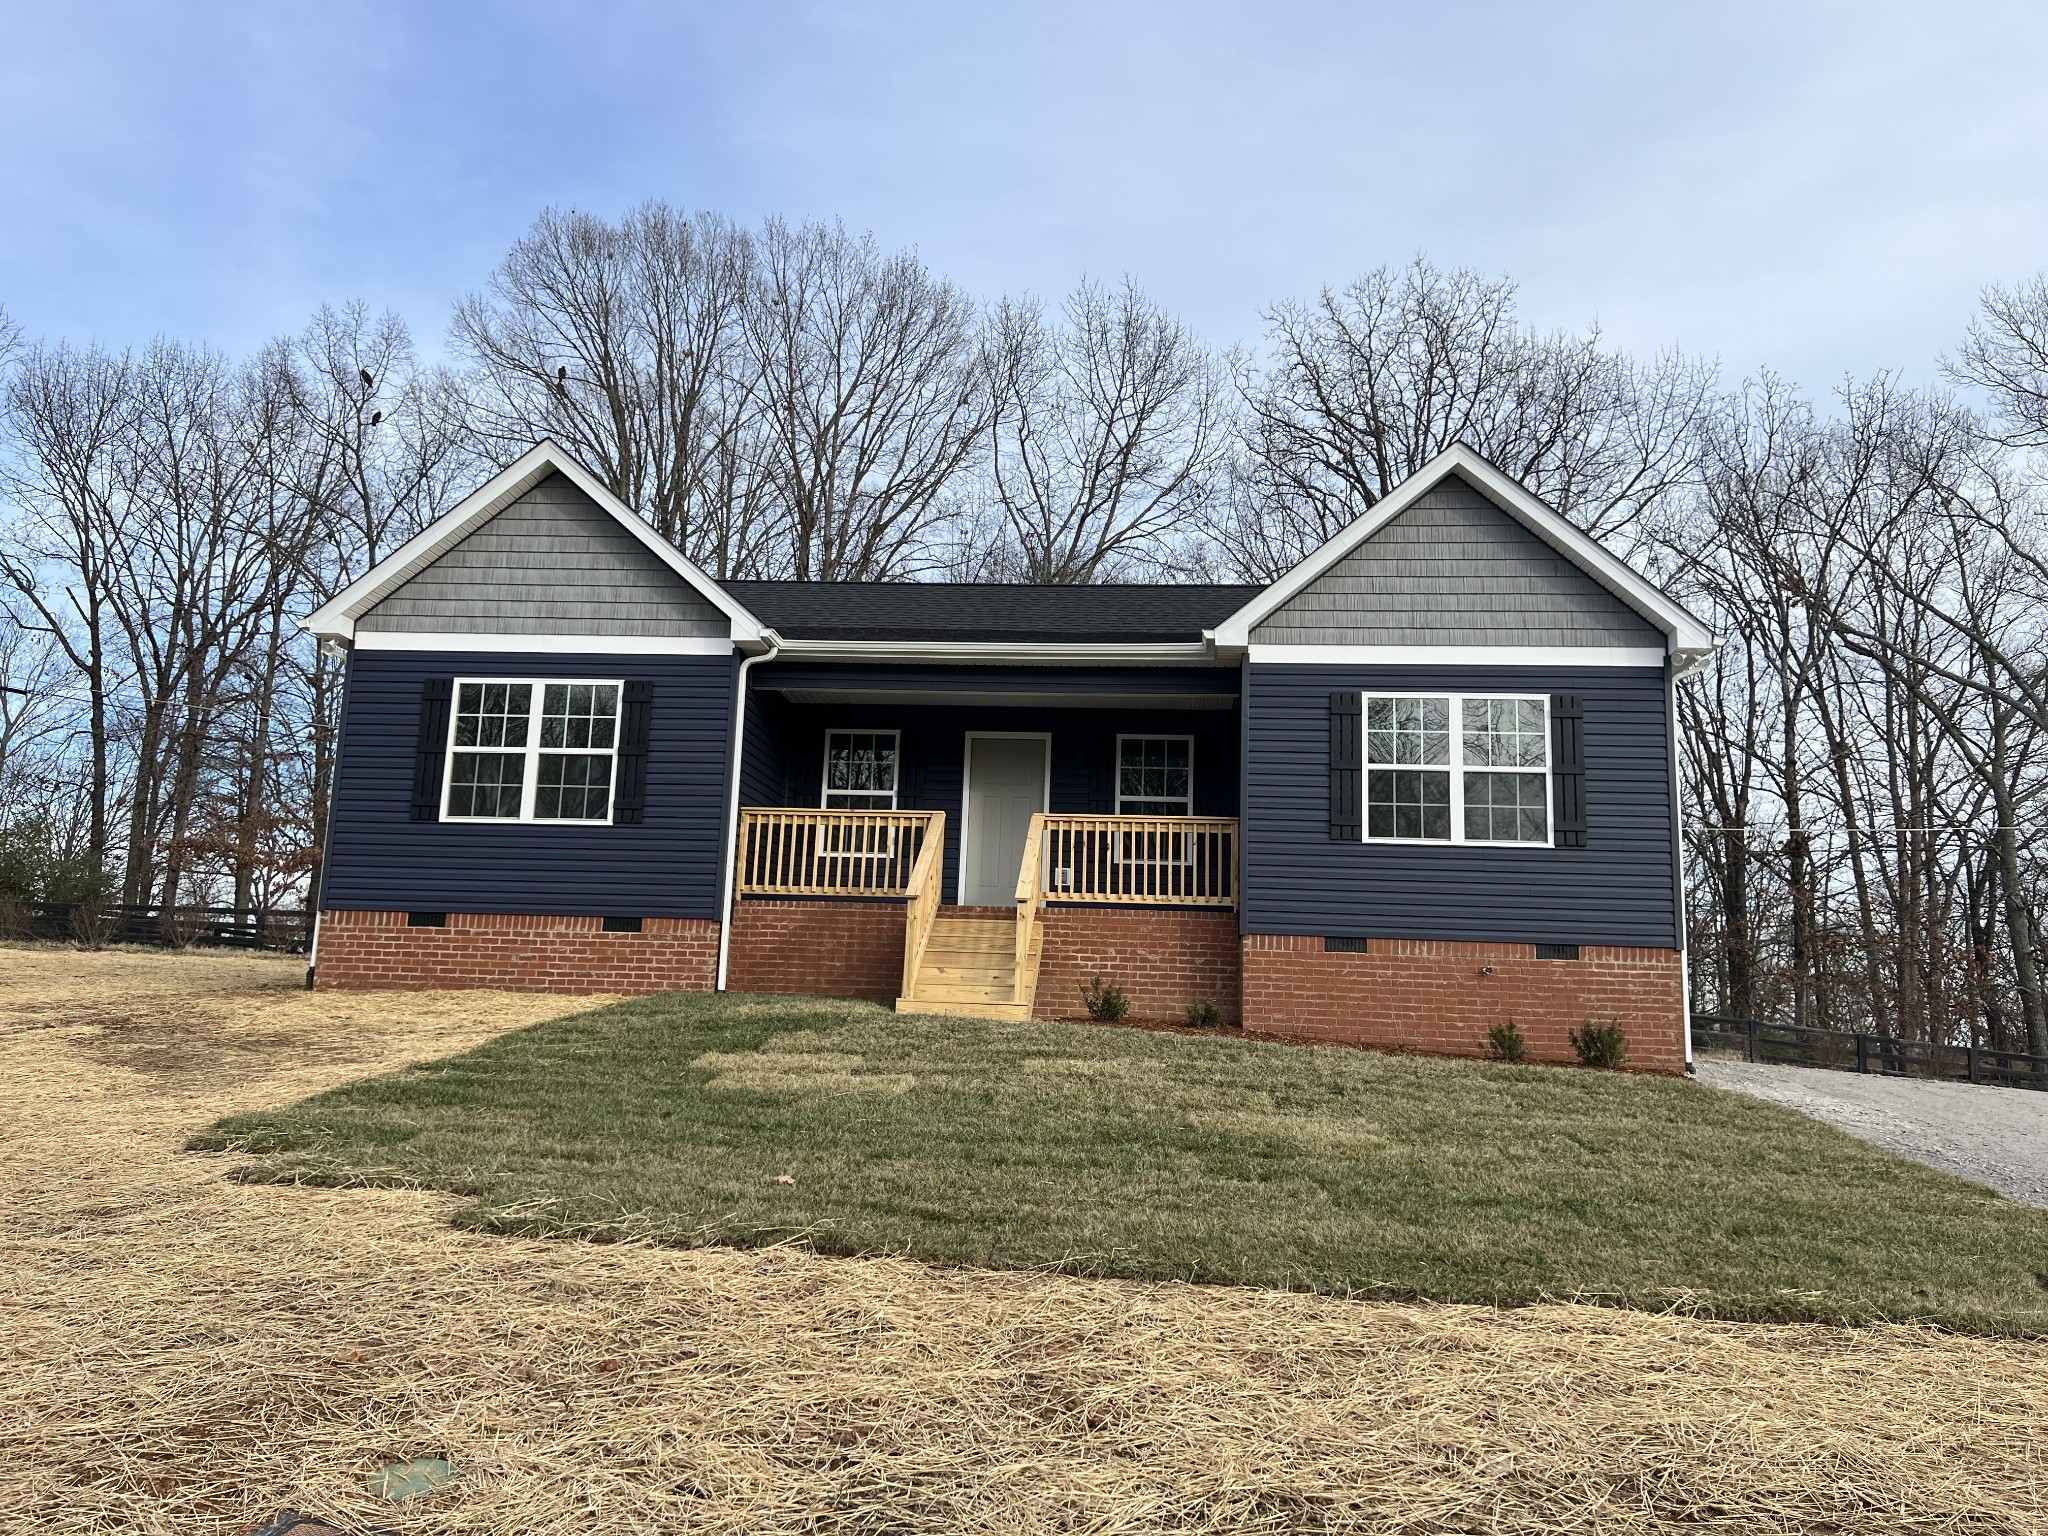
(530, 782)
(1456, 767)
(1118, 769)
(825, 789)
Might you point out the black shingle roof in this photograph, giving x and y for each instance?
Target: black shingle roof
(917, 610)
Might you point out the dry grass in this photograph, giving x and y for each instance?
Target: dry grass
(178, 1353)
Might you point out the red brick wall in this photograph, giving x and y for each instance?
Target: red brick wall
(829, 948)
(1165, 960)
(516, 954)
(1430, 996)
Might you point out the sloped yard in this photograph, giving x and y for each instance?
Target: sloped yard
(757, 1121)
(183, 1353)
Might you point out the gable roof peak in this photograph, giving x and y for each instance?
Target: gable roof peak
(1687, 638)
(336, 618)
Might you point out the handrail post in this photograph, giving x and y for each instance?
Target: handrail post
(1030, 884)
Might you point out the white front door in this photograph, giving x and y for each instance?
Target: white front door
(1005, 789)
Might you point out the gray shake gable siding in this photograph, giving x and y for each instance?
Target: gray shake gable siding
(552, 563)
(668, 866)
(1619, 889)
(1454, 569)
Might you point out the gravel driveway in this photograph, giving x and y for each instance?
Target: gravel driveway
(1995, 1136)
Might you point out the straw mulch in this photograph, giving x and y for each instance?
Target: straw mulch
(179, 1353)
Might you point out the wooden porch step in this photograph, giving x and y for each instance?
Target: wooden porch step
(966, 976)
(964, 1010)
(969, 968)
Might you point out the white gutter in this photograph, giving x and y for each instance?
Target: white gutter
(732, 804)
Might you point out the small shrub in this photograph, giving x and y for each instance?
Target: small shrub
(1106, 1001)
(94, 923)
(1600, 1045)
(1207, 1014)
(1504, 1042)
(180, 926)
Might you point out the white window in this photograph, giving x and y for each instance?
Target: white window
(1456, 768)
(532, 751)
(860, 770)
(1155, 776)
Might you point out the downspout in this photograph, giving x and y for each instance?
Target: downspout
(732, 804)
(1671, 671)
(317, 899)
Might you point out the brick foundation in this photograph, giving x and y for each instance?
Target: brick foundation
(1430, 996)
(1165, 960)
(516, 954)
(829, 948)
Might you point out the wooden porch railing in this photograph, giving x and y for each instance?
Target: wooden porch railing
(789, 851)
(1028, 896)
(925, 885)
(1136, 860)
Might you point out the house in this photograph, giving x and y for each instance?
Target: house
(1421, 785)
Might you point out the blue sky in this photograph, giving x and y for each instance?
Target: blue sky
(1819, 187)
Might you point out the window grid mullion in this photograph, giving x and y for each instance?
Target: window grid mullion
(1457, 768)
(530, 752)
(531, 792)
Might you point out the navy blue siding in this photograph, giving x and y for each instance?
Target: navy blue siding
(763, 776)
(887, 677)
(1620, 889)
(669, 866)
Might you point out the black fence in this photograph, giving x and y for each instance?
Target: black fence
(175, 927)
(1881, 1055)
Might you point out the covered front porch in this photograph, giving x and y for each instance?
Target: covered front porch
(981, 801)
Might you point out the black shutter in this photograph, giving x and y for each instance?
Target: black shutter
(1568, 768)
(1346, 768)
(430, 753)
(910, 771)
(629, 791)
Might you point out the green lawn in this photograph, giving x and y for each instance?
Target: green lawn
(753, 1120)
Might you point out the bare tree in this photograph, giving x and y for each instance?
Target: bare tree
(1109, 431)
(627, 344)
(870, 396)
(1367, 383)
(68, 415)
(2005, 354)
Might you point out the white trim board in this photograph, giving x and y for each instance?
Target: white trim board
(1456, 655)
(1683, 631)
(825, 789)
(336, 618)
(545, 645)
